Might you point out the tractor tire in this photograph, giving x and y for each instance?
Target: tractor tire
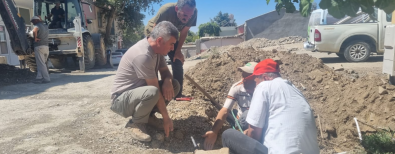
(31, 62)
(100, 50)
(89, 51)
(357, 51)
(58, 62)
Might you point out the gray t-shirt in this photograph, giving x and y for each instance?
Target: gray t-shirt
(42, 34)
(137, 64)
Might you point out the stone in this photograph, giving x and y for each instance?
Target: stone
(382, 91)
(160, 137)
(156, 144)
(219, 151)
(326, 87)
(274, 51)
(3, 60)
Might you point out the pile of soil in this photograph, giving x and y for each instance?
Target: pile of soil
(13, 75)
(335, 97)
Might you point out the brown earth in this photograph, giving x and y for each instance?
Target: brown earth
(11, 75)
(336, 96)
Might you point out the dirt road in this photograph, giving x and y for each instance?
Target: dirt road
(71, 114)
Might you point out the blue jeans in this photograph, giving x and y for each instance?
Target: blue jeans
(238, 143)
(178, 70)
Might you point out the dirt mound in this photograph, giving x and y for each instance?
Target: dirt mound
(335, 97)
(12, 75)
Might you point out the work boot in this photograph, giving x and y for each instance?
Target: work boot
(153, 121)
(139, 132)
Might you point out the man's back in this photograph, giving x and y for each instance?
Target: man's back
(288, 123)
(42, 34)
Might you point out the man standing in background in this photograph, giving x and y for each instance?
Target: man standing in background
(41, 50)
(183, 15)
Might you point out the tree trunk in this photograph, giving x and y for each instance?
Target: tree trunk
(110, 21)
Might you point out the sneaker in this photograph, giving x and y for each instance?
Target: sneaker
(139, 132)
(153, 121)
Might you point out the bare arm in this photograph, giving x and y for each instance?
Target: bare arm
(167, 86)
(35, 31)
(183, 36)
(221, 117)
(161, 105)
(165, 73)
(254, 132)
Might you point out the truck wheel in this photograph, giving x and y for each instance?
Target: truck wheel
(89, 52)
(100, 50)
(357, 51)
(58, 62)
(31, 63)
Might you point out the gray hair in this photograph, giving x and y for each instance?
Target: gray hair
(182, 3)
(270, 75)
(165, 30)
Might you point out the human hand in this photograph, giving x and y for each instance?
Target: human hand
(167, 125)
(211, 137)
(167, 89)
(37, 40)
(178, 55)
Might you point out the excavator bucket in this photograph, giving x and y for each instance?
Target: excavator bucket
(15, 26)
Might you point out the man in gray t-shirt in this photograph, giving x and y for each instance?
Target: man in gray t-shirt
(136, 91)
(41, 50)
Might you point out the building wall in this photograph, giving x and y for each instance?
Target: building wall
(205, 45)
(228, 31)
(258, 24)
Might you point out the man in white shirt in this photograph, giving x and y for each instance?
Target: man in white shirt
(280, 119)
(240, 93)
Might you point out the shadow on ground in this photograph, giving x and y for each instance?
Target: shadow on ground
(180, 139)
(28, 89)
(342, 60)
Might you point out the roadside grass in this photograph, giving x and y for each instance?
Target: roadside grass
(381, 142)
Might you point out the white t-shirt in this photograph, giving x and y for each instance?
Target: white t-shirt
(238, 94)
(286, 118)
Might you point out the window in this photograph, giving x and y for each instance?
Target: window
(99, 20)
(25, 14)
(3, 42)
(389, 17)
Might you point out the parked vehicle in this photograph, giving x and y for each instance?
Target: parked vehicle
(352, 38)
(116, 57)
(168, 61)
(121, 50)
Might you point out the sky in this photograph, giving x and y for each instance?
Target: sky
(241, 9)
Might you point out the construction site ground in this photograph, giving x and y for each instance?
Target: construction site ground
(72, 113)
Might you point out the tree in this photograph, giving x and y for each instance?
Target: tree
(337, 8)
(210, 28)
(224, 19)
(192, 37)
(132, 35)
(127, 13)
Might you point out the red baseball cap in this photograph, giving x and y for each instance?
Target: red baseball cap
(265, 66)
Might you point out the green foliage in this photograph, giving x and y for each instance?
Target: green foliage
(210, 28)
(380, 142)
(223, 20)
(192, 37)
(337, 8)
(126, 12)
(132, 35)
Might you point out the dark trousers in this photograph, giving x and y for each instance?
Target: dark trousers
(178, 71)
(238, 143)
(242, 120)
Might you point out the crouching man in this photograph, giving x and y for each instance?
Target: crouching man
(136, 92)
(241, 93)
(280, 119)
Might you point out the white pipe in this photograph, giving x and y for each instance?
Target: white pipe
(359, 131)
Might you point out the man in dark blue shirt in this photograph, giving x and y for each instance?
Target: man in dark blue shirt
(58, 16)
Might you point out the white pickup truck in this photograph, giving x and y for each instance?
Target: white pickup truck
(352, 38)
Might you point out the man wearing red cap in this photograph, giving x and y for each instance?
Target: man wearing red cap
(280, 119)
